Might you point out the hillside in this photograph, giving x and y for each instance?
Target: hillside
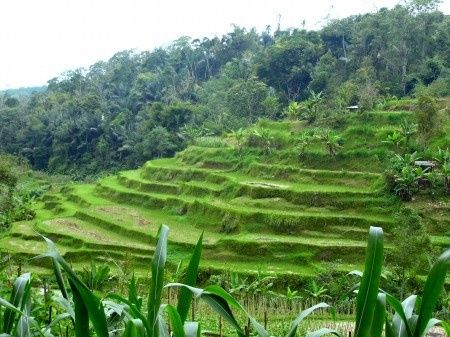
(262, 208)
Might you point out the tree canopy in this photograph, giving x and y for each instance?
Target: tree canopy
(137, 106)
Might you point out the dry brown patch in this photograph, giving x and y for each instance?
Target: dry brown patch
(77, 228)
(124, 213)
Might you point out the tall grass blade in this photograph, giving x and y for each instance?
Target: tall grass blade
(368, 290)
(157, 282)
(432, 290)
(190, 279)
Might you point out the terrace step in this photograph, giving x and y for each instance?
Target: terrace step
(272, 220)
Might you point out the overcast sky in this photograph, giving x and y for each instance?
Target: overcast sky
(41, 39)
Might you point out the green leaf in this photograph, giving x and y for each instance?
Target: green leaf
(55, 321)
(431, 323)
(214, 289)
(408, 308)
(305, 313)
(81, 313)
(216, 298)
(190, 279)
(92, 304)
(192, 329)
(59, 279)
(322, 332)
(132, 310)
(132, 293)
(134, 328)
(402, 323)
(379, 316)
(389, 331)
(175, 319)
(157, 282)
(432, 290)
(17, 300)
(368, 290)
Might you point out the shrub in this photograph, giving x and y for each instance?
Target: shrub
(426, 114)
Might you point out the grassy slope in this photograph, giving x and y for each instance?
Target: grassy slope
(278, 212)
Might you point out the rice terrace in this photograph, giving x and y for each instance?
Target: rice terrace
(282, 182)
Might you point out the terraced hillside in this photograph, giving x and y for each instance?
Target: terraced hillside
(260, 209)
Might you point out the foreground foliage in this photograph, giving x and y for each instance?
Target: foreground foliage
(85, 311)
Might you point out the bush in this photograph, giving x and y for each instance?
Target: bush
(426, 114)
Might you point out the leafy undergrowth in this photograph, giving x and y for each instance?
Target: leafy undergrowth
(273, 210)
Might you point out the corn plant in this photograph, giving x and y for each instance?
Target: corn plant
(407, 323)
(371, 305)
(14, 314)
(222, 302)
(88, 308)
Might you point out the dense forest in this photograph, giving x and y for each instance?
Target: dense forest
(137, 106)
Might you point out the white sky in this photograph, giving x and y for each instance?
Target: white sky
(39, 39)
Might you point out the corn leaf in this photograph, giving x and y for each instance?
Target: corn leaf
(305, 313)
(431, 323)
(17, 300)
(322, 332)
(190, 279)
(432, 290)
(157, 282)
(368, 290)
(132, 310)
(81, 313)
(218, 299)
(175, 320)
(132, 293)
(400, 325)
(92, 304)
(379, 316)
(192, 329)
(134, 328)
